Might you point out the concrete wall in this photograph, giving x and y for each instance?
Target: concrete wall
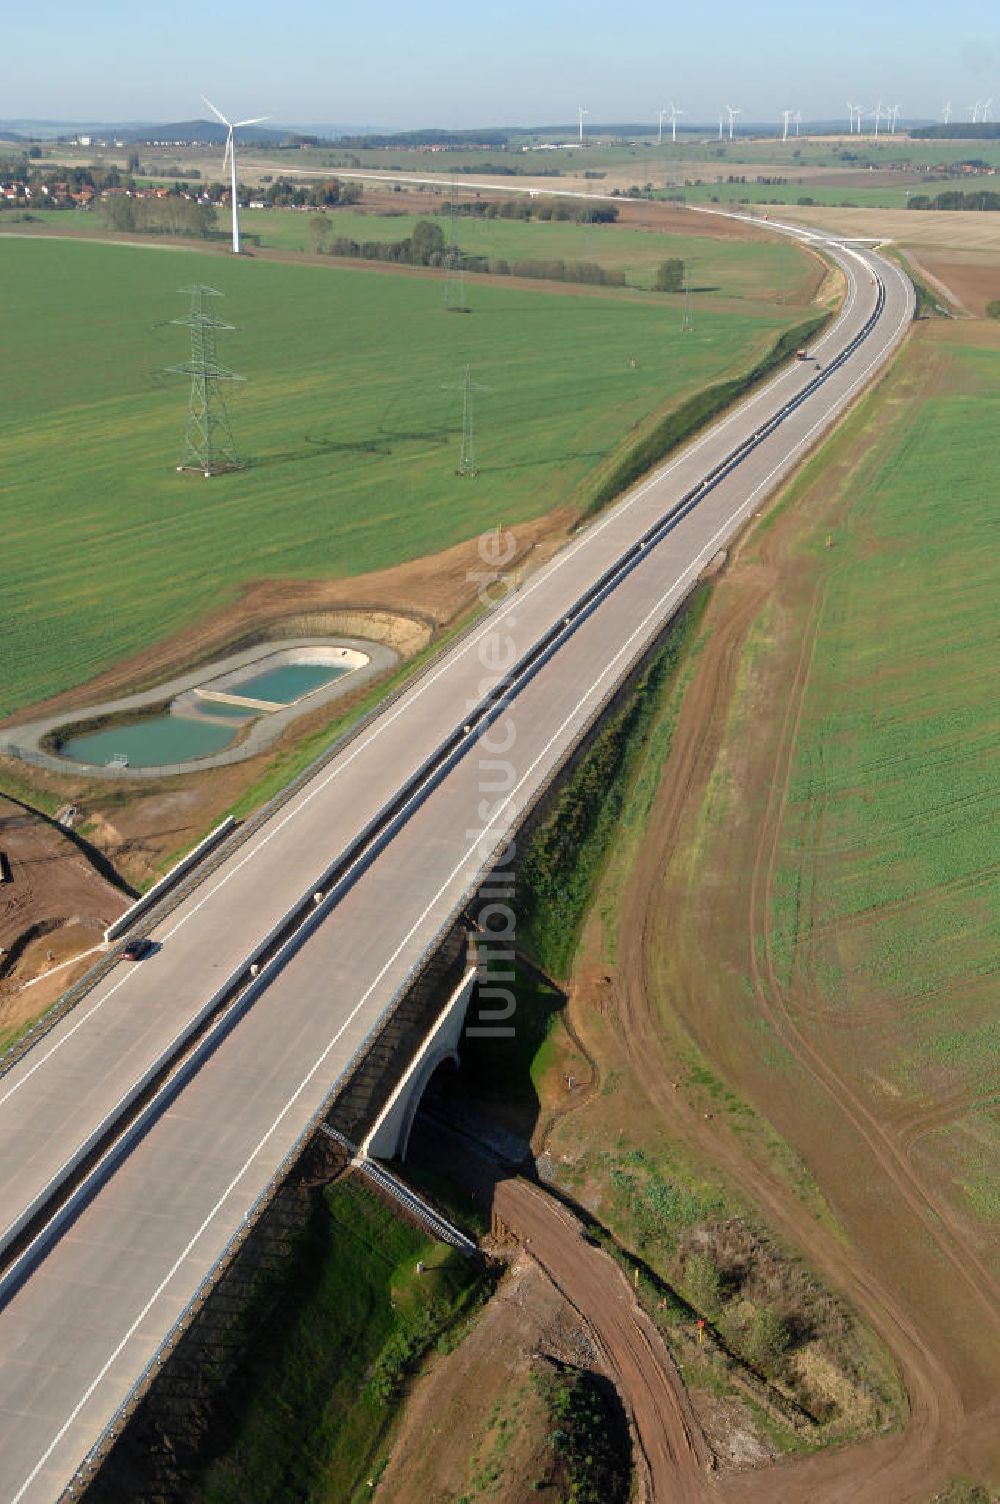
(390, 1133)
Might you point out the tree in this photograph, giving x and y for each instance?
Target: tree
(319, 233)
(670, 276)
(766, 1338)
(426, 241)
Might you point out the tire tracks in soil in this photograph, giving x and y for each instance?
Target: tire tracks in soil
(897, 1467)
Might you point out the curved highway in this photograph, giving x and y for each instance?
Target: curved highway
(81, 1321)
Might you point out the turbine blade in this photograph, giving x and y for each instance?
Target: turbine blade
(228, 151)
(257, 120)
(217, 113)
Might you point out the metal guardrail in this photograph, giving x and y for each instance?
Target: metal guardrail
(422, 1211)
(244, 983)
(249, 828)
(569, 622)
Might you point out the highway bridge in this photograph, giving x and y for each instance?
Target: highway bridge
(317, 921)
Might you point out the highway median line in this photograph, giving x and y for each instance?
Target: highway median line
(22, 1242)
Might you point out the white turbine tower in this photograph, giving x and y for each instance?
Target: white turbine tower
(581, 115)
(946, 112)
(974, 112)
(851, 108)
(893, 117)
(878, 116)
(674, 114)
(732, 116)
(661, 115)
(721, 118)
(798, 120)
(230, 157)
(786, 115)
(987, 107)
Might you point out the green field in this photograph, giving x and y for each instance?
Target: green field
(351, 416)
(887, 903)
(737, 270)
(825, 191)
(755, 271)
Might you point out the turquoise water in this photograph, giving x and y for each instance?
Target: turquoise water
(287, 683)
(149, 744)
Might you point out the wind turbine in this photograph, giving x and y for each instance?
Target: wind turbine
(878, 117)
(946, 112)
(674, 113)
(987, 106)
(661, 115)
(892, 116)
(230, 157)
(851, 109)
(720, 126)
(798, 120)
(786, 115)
(974, 112)
(732, 116)
(581, 115)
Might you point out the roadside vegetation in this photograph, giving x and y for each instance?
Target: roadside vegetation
(330, 1341)
(772, 1342)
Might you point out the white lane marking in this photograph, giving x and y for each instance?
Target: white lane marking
(388, 718)
(704, 553)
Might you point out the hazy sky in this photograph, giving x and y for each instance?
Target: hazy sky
(458, 62)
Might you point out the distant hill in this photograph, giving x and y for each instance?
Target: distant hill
(187, 132)
(962, 130)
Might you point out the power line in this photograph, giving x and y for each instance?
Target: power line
(208, 441)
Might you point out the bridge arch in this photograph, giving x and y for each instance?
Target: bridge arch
(389, 1136)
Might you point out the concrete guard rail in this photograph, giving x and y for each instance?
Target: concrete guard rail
(22, 1242)
(248, 828)
(168, 881)
(254, 1212)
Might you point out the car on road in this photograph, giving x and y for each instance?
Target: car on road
(137, 948)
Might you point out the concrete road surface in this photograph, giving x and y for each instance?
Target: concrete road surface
(77, 1335)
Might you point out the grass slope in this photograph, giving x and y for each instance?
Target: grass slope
(329, 1342)
(351, 414)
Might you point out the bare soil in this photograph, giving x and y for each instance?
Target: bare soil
(55, 905)
(908, 1264)
(456, 1415)
(970, 284)
(431, 591)
(139, 827)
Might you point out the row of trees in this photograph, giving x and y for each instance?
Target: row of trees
(426, 246)
(172, 215)
(954, 198)
(283, 193)
(546, 209)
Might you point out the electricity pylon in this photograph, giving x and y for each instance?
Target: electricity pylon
(687, 322)
(208, 442)
(468, 388)
(454, 287)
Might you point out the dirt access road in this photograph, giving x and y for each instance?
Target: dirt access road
(672, 1455)
(673, 1459)
(907, 1267)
